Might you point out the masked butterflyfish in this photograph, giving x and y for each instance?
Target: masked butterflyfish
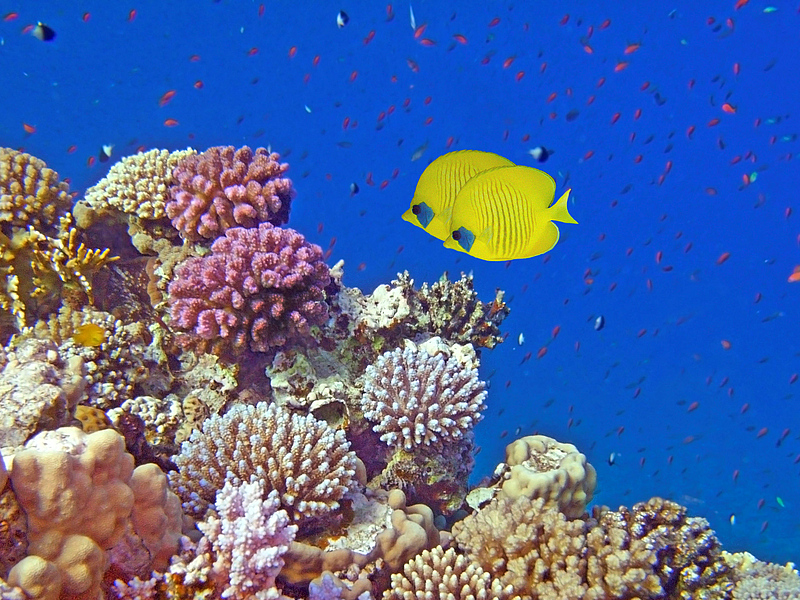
(504, 213)
(440, 183)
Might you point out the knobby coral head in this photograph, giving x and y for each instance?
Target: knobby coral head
(223, 188)
(259, 289)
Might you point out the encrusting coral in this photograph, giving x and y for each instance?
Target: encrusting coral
(223, 188)
(416, 399)
(38, 390)
(83, 498)
(259, 288)
(538, 466)
(304, 459)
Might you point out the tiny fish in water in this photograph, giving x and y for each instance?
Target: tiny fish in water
(43, 33)
(540, 153)
(612, 458)
(105, 152)
(599, 323)
(342, 19)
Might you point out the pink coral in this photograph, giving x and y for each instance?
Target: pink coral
(259, 288)
(223, 188)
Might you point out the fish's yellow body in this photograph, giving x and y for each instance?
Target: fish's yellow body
(439, 185)
(504, 213)
(89, 335)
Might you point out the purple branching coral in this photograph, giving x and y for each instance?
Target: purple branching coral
(417, 399)
(222, 188)
(249, 537)
(307, 461)
(259, 289)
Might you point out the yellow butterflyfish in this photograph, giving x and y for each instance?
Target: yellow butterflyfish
(505, 213)
(90, 335)
(439, 185)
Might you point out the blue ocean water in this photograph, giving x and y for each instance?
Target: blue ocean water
(659, 191)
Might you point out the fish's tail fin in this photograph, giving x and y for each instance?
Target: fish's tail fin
(559, 211)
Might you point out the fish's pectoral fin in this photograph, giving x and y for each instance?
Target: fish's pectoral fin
(559, 210)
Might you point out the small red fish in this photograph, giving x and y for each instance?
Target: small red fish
(164, 100)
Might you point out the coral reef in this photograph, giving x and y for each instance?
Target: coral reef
(650, 551)
(259, 288)
(326, 435)
(540, 467)
(31, 194)
(416, 399)
(455, 312)
(248, 539)
(445, 575)
(756, 580)
(392, 314)
(126, 358)
(137, 185)
(305, 460)
(83, 498)
(38, 390)
(223, 188)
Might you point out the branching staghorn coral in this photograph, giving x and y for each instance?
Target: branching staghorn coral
(248, 538)
(304, 459)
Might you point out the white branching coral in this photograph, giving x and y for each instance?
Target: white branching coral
(417, 399)
(308, 462)
(248, 538)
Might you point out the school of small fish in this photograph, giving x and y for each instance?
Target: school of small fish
(660, 336)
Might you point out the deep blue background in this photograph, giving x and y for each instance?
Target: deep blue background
(100, 82)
